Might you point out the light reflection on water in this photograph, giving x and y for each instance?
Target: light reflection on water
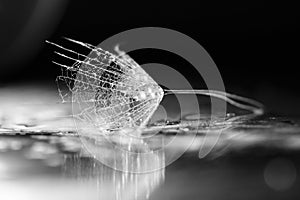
(43, 169)
(41, 157)
(110, 183)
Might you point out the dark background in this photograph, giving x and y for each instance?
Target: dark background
(254, 44)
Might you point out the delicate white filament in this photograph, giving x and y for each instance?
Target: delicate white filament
(116, 93)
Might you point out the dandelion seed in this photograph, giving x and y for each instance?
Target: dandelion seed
(115, 93)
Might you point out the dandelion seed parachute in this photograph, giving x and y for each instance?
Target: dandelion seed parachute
(114, 92)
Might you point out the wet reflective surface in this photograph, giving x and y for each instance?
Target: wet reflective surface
(42, 157)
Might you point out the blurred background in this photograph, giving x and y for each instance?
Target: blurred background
(253, 43)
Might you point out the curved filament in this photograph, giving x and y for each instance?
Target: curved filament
(235, 100)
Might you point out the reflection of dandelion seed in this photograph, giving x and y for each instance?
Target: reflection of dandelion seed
(114, 92)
